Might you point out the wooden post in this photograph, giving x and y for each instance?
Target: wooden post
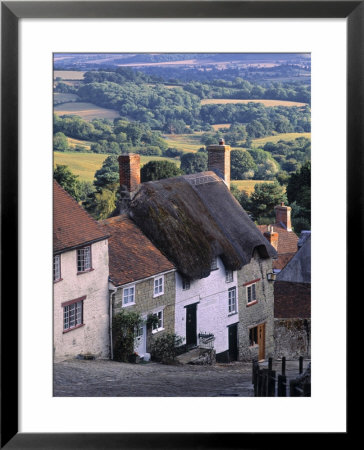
(301, 364)
(282, 386)
(271, 383)
(284, 366)
(292, 389)
(259, 383)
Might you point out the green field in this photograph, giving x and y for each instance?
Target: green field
(278, 137)
(248, 185)
(265, 102)
(185, 142)
(86, 111)
(68, 74)
(85, 164)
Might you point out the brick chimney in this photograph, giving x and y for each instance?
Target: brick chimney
(129, 171)
(272, 237)
(219, 160)
(283, 216)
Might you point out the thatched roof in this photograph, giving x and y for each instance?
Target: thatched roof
(194, 218)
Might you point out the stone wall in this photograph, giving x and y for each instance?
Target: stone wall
(292, 338)
(93, 336)
(257, 313)
(146, 303)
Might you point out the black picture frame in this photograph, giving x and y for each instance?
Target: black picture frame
(11, 12)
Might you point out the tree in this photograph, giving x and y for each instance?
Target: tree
(299, 194)
(63, 175)
(265, 197)
(242, 165)
(108, 174)
(156, 170)
(60, 142)
(194, 162)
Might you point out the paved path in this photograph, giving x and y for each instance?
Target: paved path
(101, 378)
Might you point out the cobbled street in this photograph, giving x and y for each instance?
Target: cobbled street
(103, 378)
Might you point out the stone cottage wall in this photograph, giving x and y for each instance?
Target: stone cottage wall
(93, 336)
(255, 314)
(292, 338)
(146, 303)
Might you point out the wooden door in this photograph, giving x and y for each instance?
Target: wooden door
(191, 326)
(233, 342)
(261, 341)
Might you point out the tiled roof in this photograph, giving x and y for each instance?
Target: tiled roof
(72, 225)
(287, 244)
(132, 256)
(292, 300)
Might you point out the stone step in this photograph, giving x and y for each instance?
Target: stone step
(185, 358)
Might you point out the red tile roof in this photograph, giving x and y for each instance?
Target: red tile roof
(292, 300)
(132, 256)
(72, 225)
(287, 244)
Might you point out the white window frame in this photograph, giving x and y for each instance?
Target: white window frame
(160, 325)
(56, 268)
(127, 295)
(232, 301)
(214, 263)
(229, 276)
(253, 293)
(186, 284)
(158, 286)
(74, 310)
(84, 259)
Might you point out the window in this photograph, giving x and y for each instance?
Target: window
(253, 336)
(214, 264)
(251, 293)
(72, 315)
(158, 286)
(229, 276)
(232, 301)
(84, 259)
(185, 284)
(158, 326)
(56, 267)
(129, 295)
(139, 331)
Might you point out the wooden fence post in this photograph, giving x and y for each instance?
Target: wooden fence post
(271, 383)
(282, 386)
(301, 364)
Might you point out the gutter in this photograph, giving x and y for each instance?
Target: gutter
(112, 291)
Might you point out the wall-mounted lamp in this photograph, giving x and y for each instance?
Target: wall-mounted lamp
(271, 276)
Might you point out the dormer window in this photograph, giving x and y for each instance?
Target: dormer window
(214, 264)
(84, 259)
(229, 277)
(186, 284)
(56, 268)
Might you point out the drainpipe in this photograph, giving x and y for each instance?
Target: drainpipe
(112, 292)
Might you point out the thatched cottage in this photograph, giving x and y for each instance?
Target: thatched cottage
(80, 277)
(222, 260)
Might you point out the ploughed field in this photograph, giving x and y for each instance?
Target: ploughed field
(87, 111)
(265, 102)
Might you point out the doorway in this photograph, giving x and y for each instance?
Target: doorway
(191, 326)
(233, 342)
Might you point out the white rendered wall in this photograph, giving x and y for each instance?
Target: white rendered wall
(212, 313)
(93, 337)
